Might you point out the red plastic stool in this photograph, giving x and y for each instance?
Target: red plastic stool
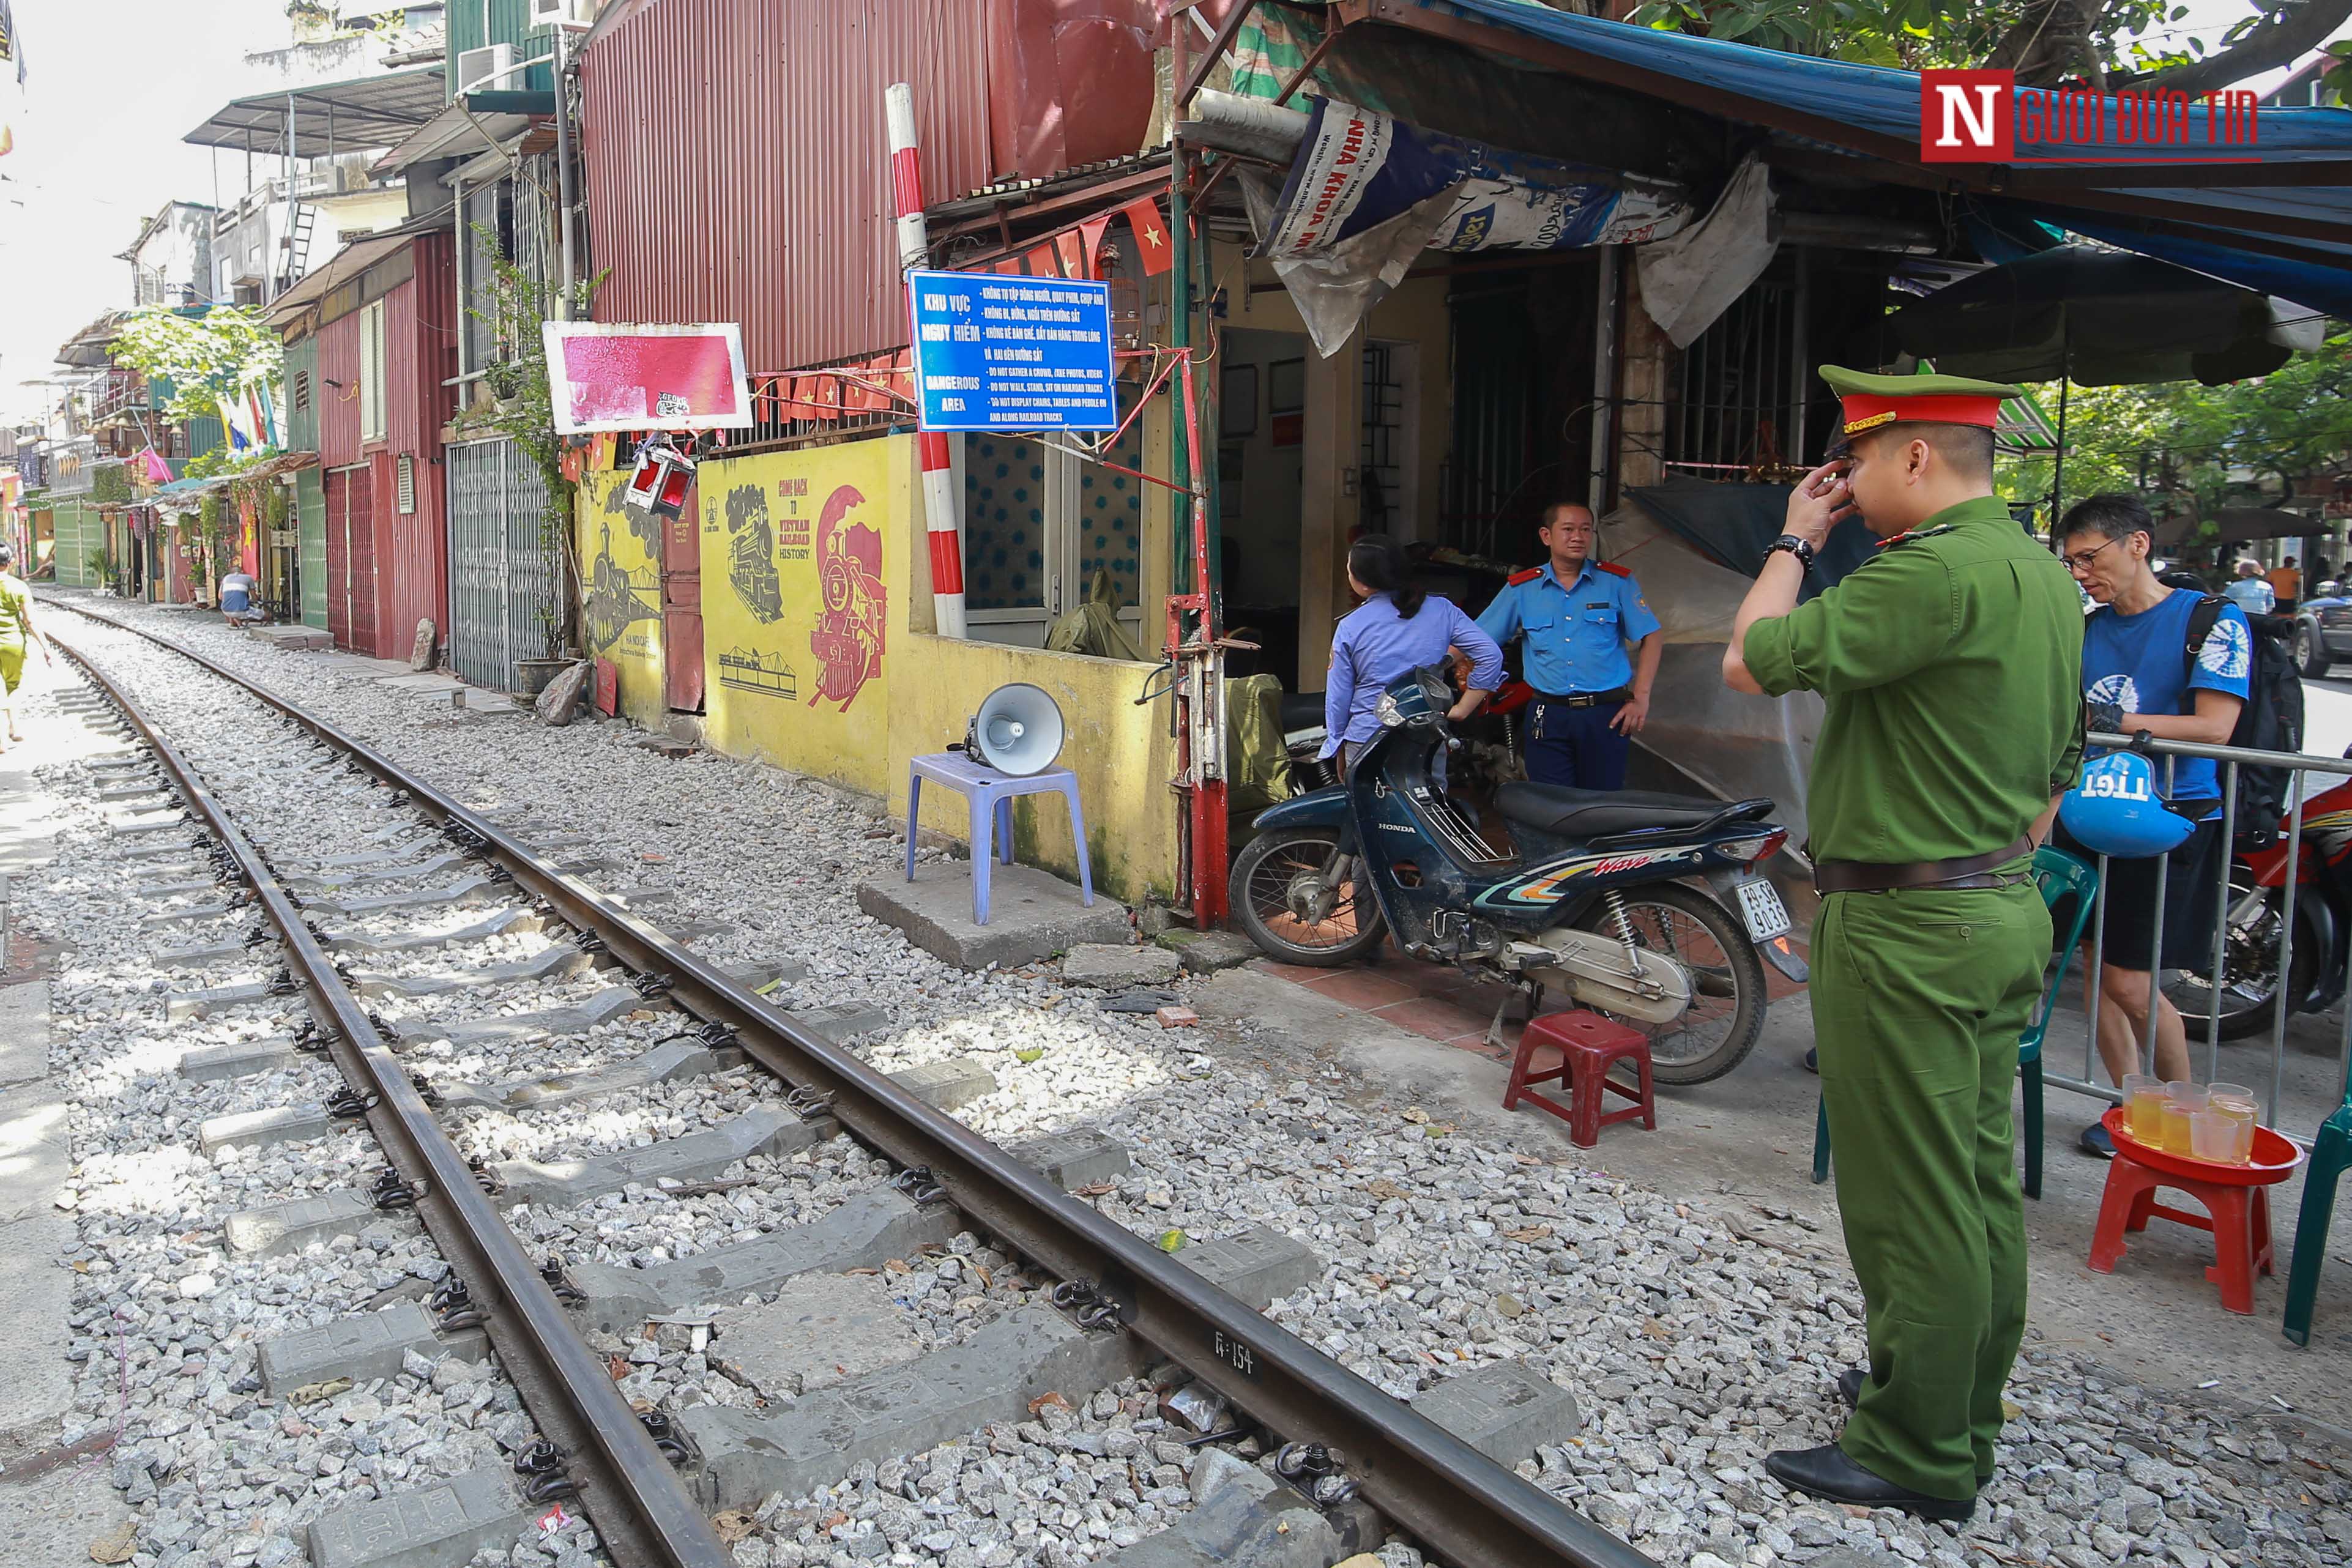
(2236, 1200)
(1589, 1045)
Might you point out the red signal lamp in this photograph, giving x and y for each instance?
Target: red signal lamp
(661, 479)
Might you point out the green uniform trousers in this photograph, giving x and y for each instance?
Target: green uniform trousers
(1919, 996)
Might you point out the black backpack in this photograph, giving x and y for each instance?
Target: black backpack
(2271, 720)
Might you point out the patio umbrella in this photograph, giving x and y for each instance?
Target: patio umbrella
(2242, 525)
(2101, 317)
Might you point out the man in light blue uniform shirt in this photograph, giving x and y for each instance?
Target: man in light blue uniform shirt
(1576, 615)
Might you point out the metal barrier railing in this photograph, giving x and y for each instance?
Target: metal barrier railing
(2232, 903)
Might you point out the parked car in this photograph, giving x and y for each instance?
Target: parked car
(2323, 630)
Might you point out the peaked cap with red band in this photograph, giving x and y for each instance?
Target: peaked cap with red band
(1871, 401)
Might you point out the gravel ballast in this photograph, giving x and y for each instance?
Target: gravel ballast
(1693, 1346)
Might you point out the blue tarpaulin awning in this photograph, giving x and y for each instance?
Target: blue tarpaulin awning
(2274, 216)
(1866, 109)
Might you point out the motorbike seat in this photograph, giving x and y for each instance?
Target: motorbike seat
(1596, 813)
(1301, 710)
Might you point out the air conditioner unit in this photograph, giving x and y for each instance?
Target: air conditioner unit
(575, 15)
(486, 70)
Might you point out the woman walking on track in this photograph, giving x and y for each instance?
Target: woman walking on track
(16, 631)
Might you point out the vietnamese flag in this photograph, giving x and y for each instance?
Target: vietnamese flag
(1090, 237)
(1073, 254)
(1151, 240)
(1043, 263)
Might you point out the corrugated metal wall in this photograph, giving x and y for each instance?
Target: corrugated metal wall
(338, 483)
(339, 404)
(510, 23)
(205, 435)
(76, 539)
(367, 586)
(738, 168)
(310, 523)
(301, 379)
(502, 574)
(412, 549)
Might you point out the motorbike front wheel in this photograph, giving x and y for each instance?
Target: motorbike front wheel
(2249, 967)
(1283, 890)
(1726, 1016)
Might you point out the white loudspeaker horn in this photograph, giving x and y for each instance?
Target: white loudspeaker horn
(1018, 730)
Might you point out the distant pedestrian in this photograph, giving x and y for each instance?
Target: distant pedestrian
(16, 631)
(237, 591)
(2286, 585)
(2250, 590)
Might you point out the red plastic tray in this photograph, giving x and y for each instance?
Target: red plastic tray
(2275, 1160)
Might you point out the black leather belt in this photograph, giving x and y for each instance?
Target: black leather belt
(1587, 699)
(1954, 876)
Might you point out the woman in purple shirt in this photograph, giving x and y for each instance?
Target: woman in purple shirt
(1398, 629)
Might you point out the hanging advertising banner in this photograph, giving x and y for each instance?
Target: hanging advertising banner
(1366, 194)
(994, 352)
(1357, 170)
(617, 376)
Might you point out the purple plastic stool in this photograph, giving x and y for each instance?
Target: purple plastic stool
(991, 794)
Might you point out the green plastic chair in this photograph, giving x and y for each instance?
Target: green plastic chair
(2060, 876)
(2331, 1151)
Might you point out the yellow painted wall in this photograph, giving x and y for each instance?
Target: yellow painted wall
(803, 605)
(781, 685)
(1121, 754)
(620, 570)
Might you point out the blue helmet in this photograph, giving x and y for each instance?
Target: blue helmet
(2117, 810)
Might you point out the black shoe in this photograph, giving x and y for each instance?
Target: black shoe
(1813, 1059)
(1826, 1472)
(2098, 1142)
(1849, 1387)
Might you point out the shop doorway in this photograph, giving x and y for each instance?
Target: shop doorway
(681, 602)
(1261, 428)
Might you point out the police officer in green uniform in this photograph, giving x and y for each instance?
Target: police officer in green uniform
(1949, 664)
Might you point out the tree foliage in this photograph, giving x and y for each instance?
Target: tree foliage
(2115, 43)
(2186, 448)
(206, 357)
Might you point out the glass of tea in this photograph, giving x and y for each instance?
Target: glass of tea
(2182, 1100)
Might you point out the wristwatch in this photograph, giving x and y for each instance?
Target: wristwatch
(1795, 547)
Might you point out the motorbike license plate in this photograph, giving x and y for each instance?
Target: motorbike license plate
(1760, 906)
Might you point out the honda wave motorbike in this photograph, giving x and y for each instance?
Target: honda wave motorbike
(1590, 902)
(2258, 905)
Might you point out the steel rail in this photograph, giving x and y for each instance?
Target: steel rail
(1461, 1505)
(642, 1512)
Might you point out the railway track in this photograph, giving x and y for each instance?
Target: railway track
(373, 944)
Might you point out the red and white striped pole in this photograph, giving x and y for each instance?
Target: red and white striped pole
(939, 474)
